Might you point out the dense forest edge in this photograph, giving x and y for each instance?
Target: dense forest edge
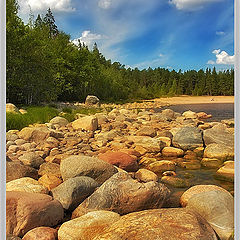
(43, 65)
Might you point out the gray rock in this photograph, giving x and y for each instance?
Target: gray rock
(122, 194)
(188, 138)
(73, 191)
(31, 159)
(81, 165)
(92, 100)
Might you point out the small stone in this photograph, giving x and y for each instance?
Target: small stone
(145, 175)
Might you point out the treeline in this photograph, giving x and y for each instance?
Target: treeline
(43, 65)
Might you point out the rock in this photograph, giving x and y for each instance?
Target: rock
(11, 136)
(102, 118)
(219, 135)
(34, 134)
(169, 114)
(175, 181)
(15, 170)
(22, 111)
(188, 138)
(122, 194)
(60, 121)
(203, 115)
(190, 114)
(226, 172)
(170, 223)
(41, 233)
(166, 140)
(50, 169)
(172, 152)
(11, 108)
(211, 162)
(81, 165)
(145, 175)
(12, 237)
(190, 165)
(217, 207)
(150, 144)
(87, 123)
(219, 151)
(146, 131)
(228, 122)
(92, 100)
(87, 226)
(31, 159)
(121, 160)
(20, 141)
(145, 161)
(73, 191)
(49, 181)
(162, 166)
(198, 189)
(25, 211)
(26, 184)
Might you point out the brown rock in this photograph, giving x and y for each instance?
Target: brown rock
(121, 160)
(86, 123)
(31, 159)
(122, 194)
(41, 233)
(172, 152)
(50, 181)
(162, 166)
(146, 131)
(145, 175)
(25, 211)
(171, 224)
(50, 169)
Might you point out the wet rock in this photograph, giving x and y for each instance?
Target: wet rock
(41, 233)
(26, 184)
(145, 175)
(162, 166)
(226, 172)
(73, 191)
(171, 223)
(190, 165)
(31, 159)
(175, 181)
(87, 226)
(188, 138)
(25, 211)
(211, 162)
(122, 194)
(121, 160)
(87, 123)
(219, 151)
(172, 152)
(81, 165)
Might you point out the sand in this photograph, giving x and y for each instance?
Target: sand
(195, 99)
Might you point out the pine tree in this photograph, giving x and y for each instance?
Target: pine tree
(49, 21)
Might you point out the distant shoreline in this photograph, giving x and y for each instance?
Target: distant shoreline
(195, 99)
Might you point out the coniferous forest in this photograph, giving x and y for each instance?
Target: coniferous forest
(43, 65)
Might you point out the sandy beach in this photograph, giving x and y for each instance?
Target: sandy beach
(195, 99)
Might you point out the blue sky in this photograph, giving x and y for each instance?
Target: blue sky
(174, 34)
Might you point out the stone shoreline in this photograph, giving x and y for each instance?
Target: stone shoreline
(112, 172)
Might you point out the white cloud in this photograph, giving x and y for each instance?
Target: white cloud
(88, 38)
(191, 4)
(43, 5)
(222, 57)
(105, 4)
(220, 33)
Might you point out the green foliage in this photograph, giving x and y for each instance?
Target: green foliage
(33, 115)
(43, 65)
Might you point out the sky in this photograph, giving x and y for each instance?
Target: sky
(173, 34)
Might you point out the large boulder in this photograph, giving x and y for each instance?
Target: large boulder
(81, 165)
(16, 169)
(87, 123)
(121, 160)
(73, 191)
(35, 134)
(25, 211)
(170, 223)
(41, 233)
(87, 226)
(26, 184)
(226, 172)
(188, 138)
(60, 121)
(11, 108)
(122, 194)
(219, 151)
(217, 207)
(218, 134)
(92, 100)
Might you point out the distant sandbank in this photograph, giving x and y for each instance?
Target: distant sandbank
(195, 99)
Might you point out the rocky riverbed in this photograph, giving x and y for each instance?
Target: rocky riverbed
(125, 174)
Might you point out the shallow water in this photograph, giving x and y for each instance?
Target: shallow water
(219, 111)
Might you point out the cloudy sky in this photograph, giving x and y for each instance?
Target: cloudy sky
(174, 34)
